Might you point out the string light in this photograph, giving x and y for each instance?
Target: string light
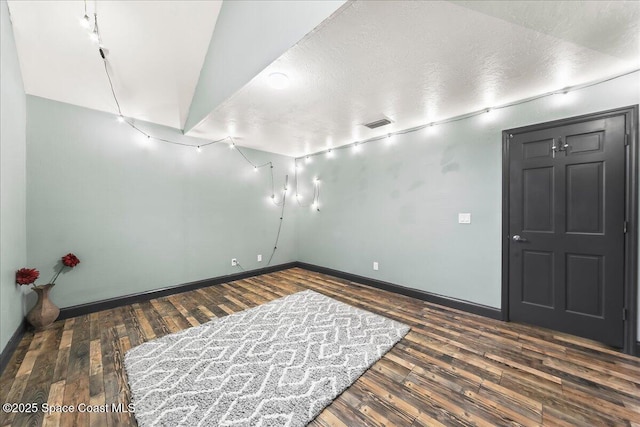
(566, 91)
(95, 35)
(299, 197)
(431, 128)
(85, 21)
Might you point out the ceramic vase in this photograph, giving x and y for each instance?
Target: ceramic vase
(44, 313)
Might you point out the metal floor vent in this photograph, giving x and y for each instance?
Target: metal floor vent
(378, 123)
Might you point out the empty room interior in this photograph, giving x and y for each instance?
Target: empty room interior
(324, 213)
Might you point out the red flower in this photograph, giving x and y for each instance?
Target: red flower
(26, 276)
(70, 260)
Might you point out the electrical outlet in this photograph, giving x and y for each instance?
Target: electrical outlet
(234, 262)
(464, 218)
(259, 258)
(375, 265)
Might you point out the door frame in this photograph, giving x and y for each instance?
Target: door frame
(631, 346)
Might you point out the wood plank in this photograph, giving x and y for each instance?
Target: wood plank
(453, 368)
(55, 398)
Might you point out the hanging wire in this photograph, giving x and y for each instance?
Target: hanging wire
(315, 188)
(356, 143)
(471, 114)
(284, 202)
(132, 124)
(256, 167)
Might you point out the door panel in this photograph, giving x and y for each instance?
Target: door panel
(585, 143)
(585, 201)
(537, 278)
(537, 189)
(534, 149)
(566, 209)
(585, 277)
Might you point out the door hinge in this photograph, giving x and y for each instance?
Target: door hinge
(625, 226)
(626, 139)
(624, 314)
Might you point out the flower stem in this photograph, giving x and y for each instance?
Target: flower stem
(53, 281)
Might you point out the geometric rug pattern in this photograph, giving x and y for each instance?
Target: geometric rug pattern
(277, 364)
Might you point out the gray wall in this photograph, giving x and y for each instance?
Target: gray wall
(398, 204)
(13, 244)
(142, 217)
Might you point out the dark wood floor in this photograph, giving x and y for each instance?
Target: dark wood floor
(452, 368)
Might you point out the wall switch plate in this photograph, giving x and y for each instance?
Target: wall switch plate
(234, 262)
(375, 265)
(259, 258)
(464, 218)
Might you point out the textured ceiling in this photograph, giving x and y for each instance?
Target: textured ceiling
(417, 62)
(411, 61)
(156, 52)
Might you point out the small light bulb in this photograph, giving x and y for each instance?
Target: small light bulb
(94, 37)
(330, 153)
(390, 139)
(308, 159)
(356, 147)
(316, 180)
(198, 149)
(232, 146)
(120, 119)
(255, 169)
(85, 22)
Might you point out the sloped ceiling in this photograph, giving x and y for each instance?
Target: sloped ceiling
(413, 62)
(156, 51)
(417, 62)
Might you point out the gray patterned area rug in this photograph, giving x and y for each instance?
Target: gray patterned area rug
(278, 364)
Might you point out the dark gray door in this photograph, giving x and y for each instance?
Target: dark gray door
(566, 225)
